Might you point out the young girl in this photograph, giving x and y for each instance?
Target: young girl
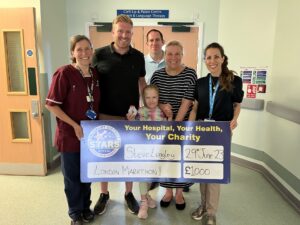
(149, 112)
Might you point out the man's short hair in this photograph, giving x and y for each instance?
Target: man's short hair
(122, 18)
(154, 30)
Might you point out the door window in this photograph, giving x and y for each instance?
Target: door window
(13, 45)
(20, 126)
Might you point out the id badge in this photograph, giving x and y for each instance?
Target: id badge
(89, 98)
(209, 120)
(91, 114)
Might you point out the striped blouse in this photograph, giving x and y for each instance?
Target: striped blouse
(172, 89)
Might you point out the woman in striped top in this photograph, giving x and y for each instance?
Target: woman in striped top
(176, 84)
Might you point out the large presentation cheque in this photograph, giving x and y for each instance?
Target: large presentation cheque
(155, 151)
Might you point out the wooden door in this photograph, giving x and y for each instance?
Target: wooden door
(189, 40)
(101, 38)
(22, 150)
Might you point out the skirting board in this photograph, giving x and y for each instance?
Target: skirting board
(22, 169)
(287, 195)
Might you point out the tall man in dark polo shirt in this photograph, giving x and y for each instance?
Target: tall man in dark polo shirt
(122, 70)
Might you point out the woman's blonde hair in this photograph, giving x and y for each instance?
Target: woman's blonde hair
(175, 43)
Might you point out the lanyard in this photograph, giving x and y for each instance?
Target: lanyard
(212, 96)
(90, 98)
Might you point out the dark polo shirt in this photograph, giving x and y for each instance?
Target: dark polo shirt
(119, 76)
(224, 100)
(68, 90)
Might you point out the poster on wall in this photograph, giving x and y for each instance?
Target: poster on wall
(261, 88)
(246, 75)
(251, 90)
(255, 79)
(259, 76)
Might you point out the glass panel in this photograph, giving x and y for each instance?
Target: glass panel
(19, 125)
(15, 66)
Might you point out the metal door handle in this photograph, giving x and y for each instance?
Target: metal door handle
(35, 108)
(34, 114)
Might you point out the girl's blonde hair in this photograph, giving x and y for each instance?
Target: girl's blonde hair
(149, 87)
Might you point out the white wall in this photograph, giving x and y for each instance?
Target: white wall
(55, 51)
(247, 33)
(266, 33)
(284, 136)
(54, 34)
(285, 77)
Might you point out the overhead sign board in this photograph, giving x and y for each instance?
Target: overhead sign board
(144, 13)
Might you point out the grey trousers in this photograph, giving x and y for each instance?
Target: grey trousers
(210, 194)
